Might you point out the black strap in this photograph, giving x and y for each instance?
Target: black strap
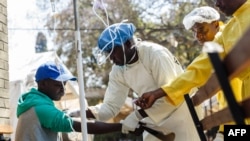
(195, 118)
(222, 76)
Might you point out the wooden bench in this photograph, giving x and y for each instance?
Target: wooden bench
(234, 63)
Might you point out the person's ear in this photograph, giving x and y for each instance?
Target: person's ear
(217, 25)
(129, 44)
(42, 83)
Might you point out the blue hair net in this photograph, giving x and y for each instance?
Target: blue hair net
(115, 35)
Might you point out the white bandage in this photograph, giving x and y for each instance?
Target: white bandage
(131, 122)
(74, 113)
(95, 111)
(219, 137)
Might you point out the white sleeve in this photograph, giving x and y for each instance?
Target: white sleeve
(165, 68)
(114, 98)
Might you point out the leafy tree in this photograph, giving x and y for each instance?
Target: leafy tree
(152, 24)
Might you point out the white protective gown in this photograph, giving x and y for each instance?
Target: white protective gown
(156, 66)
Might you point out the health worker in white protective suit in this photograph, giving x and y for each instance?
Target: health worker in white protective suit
(141, 66)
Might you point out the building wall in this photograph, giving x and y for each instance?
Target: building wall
(4, 66)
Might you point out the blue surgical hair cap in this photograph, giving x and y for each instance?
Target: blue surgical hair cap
(204, 14)
(115, 35)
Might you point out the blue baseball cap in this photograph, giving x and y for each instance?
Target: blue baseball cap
(115, 35)
(53, 71)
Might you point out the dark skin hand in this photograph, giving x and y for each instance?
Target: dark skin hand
(98, 127)
(200, 96)
(147, 99)
(89, 114)
(103, 128)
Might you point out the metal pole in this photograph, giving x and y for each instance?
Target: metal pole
(80, 74)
